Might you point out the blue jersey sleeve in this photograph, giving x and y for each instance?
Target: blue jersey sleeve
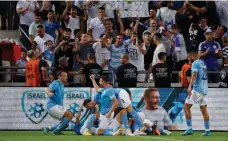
(96, 98)
(53, 86)
(195, 67)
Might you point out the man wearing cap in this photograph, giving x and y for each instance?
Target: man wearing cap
(209, 52)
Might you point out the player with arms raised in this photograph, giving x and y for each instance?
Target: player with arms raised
(197, 91)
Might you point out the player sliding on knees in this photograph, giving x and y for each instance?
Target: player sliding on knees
(197, 91)
(55, 108)
(124, 102)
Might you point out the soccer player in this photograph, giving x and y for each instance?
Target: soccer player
(55, 103)
(197, 91)
(123, 102)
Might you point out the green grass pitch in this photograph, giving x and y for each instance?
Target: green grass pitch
(70, 136)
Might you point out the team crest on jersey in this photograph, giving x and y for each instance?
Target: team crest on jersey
(33, 104)
(214, 46)
(223, 74)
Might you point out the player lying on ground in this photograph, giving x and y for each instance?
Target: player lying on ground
(197, 91)
(123, 101)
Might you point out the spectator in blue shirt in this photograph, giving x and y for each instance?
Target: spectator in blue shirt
(51, 26)
(49, 55)
(209, 52)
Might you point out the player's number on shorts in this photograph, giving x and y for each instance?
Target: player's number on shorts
(122, 101)
(204, 74)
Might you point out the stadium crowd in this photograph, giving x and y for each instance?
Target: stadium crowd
(83, 39)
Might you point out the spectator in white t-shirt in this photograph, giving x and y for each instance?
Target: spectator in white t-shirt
(102, 53)
(96, 27)
(25, 9)
(72, 21)
(136, 55)
(160, 48)
(33, 26)
(42, 38)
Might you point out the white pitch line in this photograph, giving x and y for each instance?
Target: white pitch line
(159, 138)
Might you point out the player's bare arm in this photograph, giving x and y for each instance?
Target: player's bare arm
(97, 88)
(193, 78)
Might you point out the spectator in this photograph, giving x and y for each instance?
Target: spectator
(25, 9)
(67, 37)
(167, 14)
(0, 56)
(152, 29)
(51, 26)
(102, 54)
(148, 57)
(46, 7)
(127, 34)
(136, 55)
(154, 113)
(209, 51)
(96, 27)
(73, 20)
(49, 55)
(116, 50)
(184, 74)
(210, 10)
(84, 47)
(203, 24)
(21, 63)
(160, 48)
(89, 69)
(179, 49)
(64, 50)
(43, 71)
(196, 34)
(161, 72)
(153, 13)
(42, 38)
(63, 66)
(218, 34)
(225, 49)
(223, 83)
(33, 27)
(33, 76)
(221, 7)
(126, 73)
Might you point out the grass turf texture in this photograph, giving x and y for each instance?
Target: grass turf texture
(70, 136)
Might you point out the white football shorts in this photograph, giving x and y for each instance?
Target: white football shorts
(57, 112)
(196, 98)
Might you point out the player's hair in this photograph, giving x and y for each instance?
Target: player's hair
(86, 101)
(24, 51)
(191, 50)
(101, 8)
(67, 30)
(109, 19)
(104, 78)
(161, 56)
(31, 53)
(60, 72)
(148, 91)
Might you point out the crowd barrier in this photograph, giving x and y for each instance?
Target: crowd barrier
(24, 108)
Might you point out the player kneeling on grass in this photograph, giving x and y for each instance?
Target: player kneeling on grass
(157, 120)
(124, 102)
(107, 126)
(197, 91)
(55, 108)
